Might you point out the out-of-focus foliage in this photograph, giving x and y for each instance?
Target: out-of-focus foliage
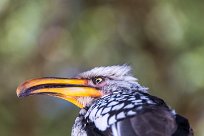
(162, 40)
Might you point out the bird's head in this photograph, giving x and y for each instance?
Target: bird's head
(86, 87)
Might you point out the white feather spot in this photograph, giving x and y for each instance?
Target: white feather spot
(102, 122)
(131, 113)
(129, 106)
(117, 107)
(121, 115)
(99, 112)
(93, 113)
(131, 99)
(106, 110)
(111, 120)
(112, 103)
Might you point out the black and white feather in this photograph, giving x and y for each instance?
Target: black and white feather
(127, 109)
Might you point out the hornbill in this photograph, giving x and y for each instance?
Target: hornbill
(112, 103)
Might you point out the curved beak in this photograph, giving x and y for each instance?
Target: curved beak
(65, 88)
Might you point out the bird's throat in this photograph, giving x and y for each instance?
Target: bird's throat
(84, 101)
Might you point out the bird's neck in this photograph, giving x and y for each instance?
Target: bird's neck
(80, 123)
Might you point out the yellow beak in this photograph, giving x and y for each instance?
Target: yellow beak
(64, 88)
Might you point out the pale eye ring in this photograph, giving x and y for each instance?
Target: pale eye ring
(97, 80)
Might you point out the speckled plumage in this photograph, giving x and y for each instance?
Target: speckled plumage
(118, 106)
(127, 109)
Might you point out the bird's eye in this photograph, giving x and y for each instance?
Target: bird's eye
(97, 80)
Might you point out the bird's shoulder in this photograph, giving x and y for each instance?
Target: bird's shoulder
(119, 106)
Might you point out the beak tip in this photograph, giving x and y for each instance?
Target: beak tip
(20, 91)
(21, 94)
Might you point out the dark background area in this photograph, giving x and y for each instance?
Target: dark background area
(163, 41)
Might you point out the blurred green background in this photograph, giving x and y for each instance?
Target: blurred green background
(162, 40)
